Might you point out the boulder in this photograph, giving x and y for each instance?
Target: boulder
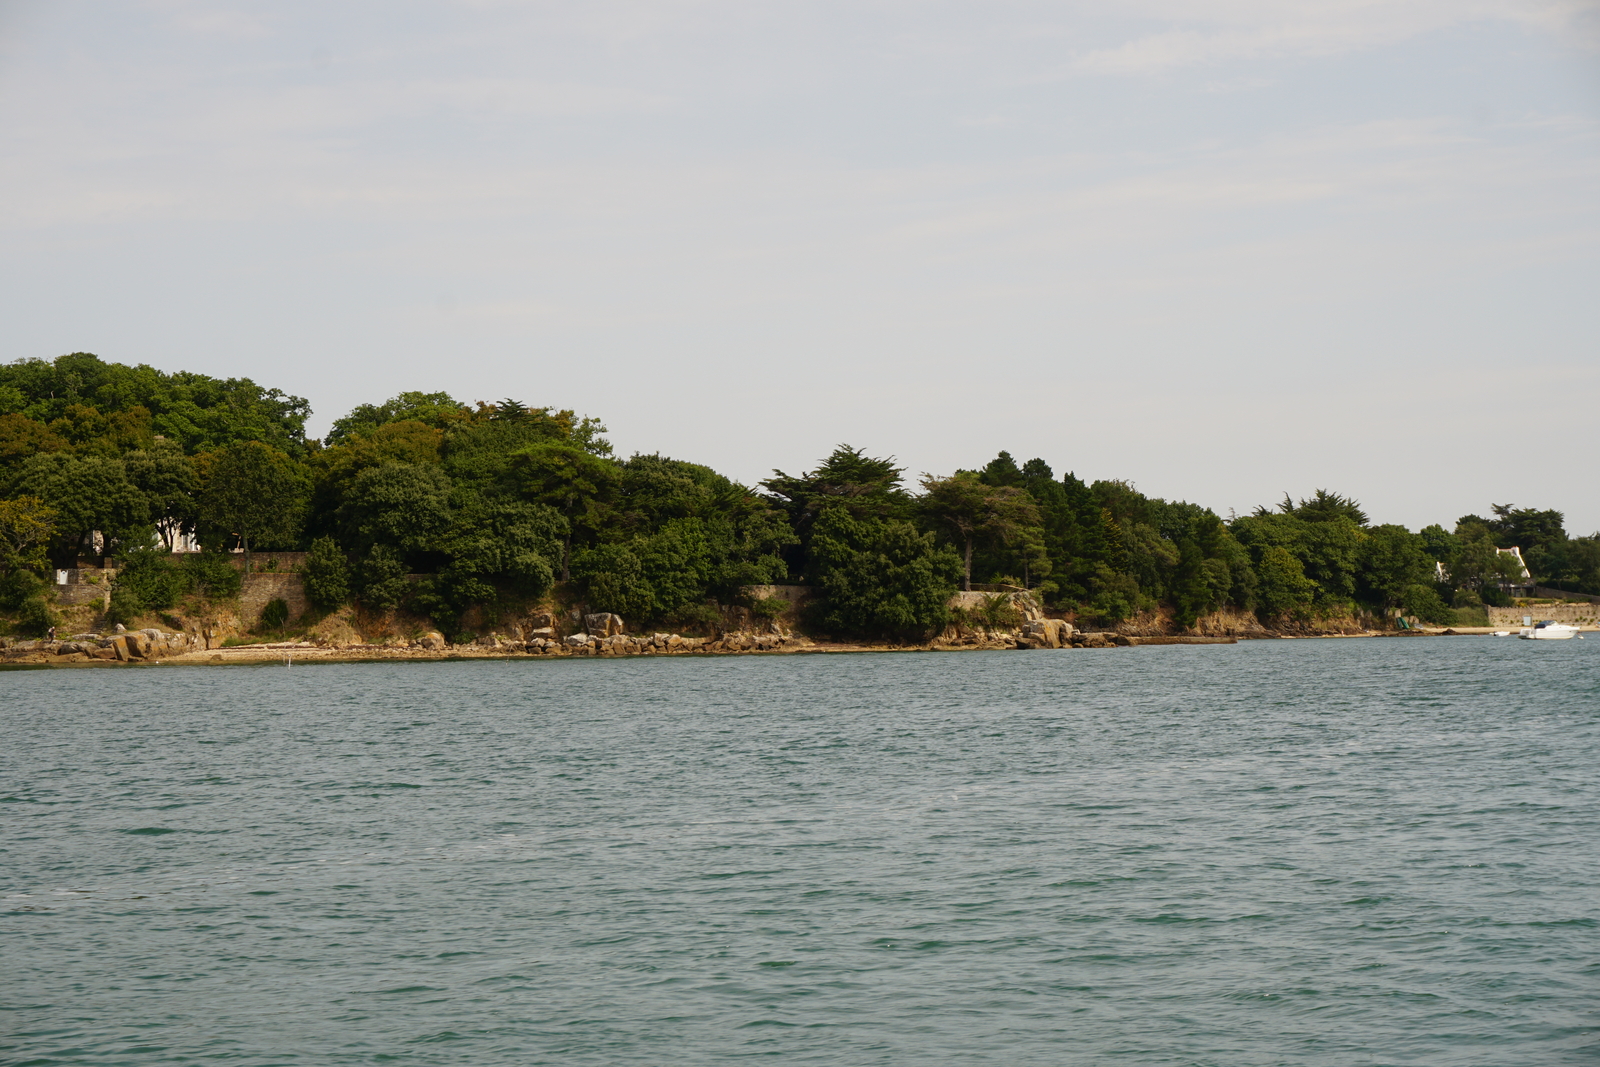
(543, 631)
(578, 641)
(433, 641)
(1041, 634)
(540, 620)
(603, 624)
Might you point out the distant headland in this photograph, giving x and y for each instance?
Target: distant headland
(149, 515)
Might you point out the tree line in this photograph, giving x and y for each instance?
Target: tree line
(438, 507)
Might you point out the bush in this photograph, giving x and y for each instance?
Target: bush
(768, 607)
(19, 587)
(154, 580)
(612, 578)
(688, 617)
(881, 578)
(125, 605)
(211, 574)
(275, 615)
(1110, 607)
(383, 579)
(326, 575)
(1494, 596)
(1422, 602)
(34, 618)
(999, 612)
(149, 580)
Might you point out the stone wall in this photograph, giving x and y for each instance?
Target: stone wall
(270, 562)
(262, 586)
(1571, 614)
(84, 585)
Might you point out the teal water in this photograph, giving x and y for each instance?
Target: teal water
(1296, 852)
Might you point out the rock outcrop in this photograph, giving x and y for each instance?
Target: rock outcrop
(126, 646)
(603, 624)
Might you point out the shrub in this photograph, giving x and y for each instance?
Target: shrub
(768, 607)
(1422, 602)
(275, 615)
(149, 580)
(34, 617)
(881, 578)
(19, 587)
(999, 612)
(125, 605)
(383, 579)
(211, 574)
(1110, 607)
(613, 579)
(153, 580)
(326, 575)
(694, 617)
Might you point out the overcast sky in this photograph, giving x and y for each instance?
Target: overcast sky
(1224, 249)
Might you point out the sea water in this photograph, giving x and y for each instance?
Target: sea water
(1288, 852)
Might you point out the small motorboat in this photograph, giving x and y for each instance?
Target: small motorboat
(1548, 630)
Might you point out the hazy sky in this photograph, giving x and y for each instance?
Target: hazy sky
(1221, 248)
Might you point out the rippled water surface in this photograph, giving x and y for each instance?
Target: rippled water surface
(1294, 852)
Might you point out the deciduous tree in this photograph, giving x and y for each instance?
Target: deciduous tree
(252, 492)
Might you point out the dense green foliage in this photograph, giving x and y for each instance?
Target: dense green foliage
(152, 579)
(426, 503)
(881, 577)
(85, 404)
(326, 574)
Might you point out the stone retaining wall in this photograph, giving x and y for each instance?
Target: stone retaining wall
(270, 562)
(77, 595)
(84, 585)
(262, 586)
(1571, 614)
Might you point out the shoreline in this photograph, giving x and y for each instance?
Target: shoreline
(306, 653)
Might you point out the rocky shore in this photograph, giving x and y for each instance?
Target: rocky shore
(544, 634)
(601, 635)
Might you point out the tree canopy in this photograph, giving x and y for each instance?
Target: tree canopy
(447, 508)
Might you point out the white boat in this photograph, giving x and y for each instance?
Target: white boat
(1548, 630)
